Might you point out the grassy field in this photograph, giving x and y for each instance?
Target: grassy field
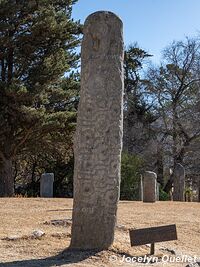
(19, 217)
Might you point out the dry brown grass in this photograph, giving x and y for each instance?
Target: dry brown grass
(21, 216)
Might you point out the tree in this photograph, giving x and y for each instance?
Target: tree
(174, 86)
(131, 168)
(137, 110)
(37, 42)
(138, 137)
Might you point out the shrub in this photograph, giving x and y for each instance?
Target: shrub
(163, 196)
(131, 166)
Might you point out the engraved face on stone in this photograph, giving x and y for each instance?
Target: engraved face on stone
(102, 38)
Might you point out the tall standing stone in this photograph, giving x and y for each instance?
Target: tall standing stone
(98, 139)
(46, 185)
(179, 183)
(149, 187)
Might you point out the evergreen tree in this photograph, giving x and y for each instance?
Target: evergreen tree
(137, 110)
(37, 42)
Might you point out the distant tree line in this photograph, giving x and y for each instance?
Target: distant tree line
(162, 114)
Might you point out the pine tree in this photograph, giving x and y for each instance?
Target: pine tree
(37, 46)
(136, 108)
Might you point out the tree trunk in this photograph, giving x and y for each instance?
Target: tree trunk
(169, 184)
(6, 178)
(159, 166)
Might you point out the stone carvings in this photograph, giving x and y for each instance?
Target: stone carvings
(98, 139)
(149, 187)
(46, 185)
(179, 183)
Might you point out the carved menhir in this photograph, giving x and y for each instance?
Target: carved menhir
(98, 139)
(149, 187)
(46, 185)
(179, 183)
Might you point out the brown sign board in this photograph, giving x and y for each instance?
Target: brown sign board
(152, 235)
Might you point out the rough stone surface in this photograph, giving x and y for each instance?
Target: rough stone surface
(37, 233)
(62, 222)
(12, 238)
(179, 183)
(46, 185)
(98, 139)
(149, 186)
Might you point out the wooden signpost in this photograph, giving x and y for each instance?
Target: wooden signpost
(152, 235)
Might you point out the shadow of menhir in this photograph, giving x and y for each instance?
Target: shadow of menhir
(67, 256)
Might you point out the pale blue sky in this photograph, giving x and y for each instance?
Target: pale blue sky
(152, 23)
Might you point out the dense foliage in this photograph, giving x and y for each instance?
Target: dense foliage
(131, 168)
(37, 106)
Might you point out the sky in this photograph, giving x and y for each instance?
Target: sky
(153, 24)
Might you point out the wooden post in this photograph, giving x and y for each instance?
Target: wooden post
(152, 251)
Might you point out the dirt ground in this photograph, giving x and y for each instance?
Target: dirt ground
(19, 217)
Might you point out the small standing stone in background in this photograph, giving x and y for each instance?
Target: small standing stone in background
(141, 188)
(149, 186)
(46, 185)
(157, 191)
(179, 183)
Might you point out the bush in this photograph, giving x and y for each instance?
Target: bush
(131, 166)
(163, 196)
